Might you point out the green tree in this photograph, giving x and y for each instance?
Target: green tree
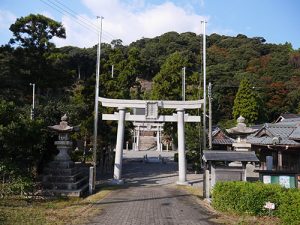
(22, 141)
(32, 36)
(36, 31)
(167, 83)
(246, 102)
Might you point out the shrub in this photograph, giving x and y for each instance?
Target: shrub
(14, 182)
(250, 198)
(289, 207)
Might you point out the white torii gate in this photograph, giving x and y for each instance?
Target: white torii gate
(151, 115)
(147, 126)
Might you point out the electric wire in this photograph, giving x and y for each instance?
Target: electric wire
(88, 21)
(59, 10)
(76, 15)
(84, 24)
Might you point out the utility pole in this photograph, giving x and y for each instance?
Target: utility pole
(96, 104)
(112, 71)
(183, 84)
(210, 117)
(33, 101)
(204, 85)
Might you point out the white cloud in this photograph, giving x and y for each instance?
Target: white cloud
(130, 20)
(6, 19)
(78, 32)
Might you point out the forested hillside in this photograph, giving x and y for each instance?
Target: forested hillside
(65, 79)
(273, 71)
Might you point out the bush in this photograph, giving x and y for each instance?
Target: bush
(13, 182)
(250, 198)
(289, 208)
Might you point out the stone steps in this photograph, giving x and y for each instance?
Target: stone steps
(147, 142)
(64, 178)
(60, 172)
(72, 178)
(61, 186)
(67, 193)
(61, 164)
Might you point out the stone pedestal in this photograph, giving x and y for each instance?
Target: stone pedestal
(62, 178)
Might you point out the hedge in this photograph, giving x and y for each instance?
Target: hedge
(250, 198)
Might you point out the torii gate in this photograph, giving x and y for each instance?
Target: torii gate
(146, 126)
(151, 115)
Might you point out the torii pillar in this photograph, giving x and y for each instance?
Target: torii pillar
(119, 147)
(181, 148)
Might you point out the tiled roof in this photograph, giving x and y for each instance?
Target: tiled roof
(295, 135)
(265, 140)
(283, 130)
(222, 141)
(257, 126)
(290, 120)
(280, 129)
(220, 138)
(229, 156)
(287, 116)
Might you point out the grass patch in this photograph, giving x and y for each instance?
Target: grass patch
(51, 211)
(195, 191)
(235, 219)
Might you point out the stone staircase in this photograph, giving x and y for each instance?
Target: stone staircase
(147, 142)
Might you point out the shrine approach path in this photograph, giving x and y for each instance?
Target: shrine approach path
(149, 197)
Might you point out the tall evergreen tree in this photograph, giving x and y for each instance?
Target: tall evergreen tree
(246, 102)
(167, 83)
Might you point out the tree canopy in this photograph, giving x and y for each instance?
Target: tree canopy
(35, 32)
(246, 102)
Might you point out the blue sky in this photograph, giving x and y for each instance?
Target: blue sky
(278, 21)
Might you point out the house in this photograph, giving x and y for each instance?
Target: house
(280, 140)
(220, 140)
(289, 116)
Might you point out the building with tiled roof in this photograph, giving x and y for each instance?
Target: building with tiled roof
(220, 140)
(280, 140)
(288, 116)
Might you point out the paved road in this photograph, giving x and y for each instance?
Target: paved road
(149, 197)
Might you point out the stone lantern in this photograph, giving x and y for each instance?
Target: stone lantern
(63, 144)
(240, 133)
(62, 177)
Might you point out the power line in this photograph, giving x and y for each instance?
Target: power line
(88, 25)
(59, 10)
(76, 15)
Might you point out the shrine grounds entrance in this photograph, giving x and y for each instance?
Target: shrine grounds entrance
(151, 115)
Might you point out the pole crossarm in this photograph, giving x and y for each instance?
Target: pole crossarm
(161, 118)
(125, 103)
